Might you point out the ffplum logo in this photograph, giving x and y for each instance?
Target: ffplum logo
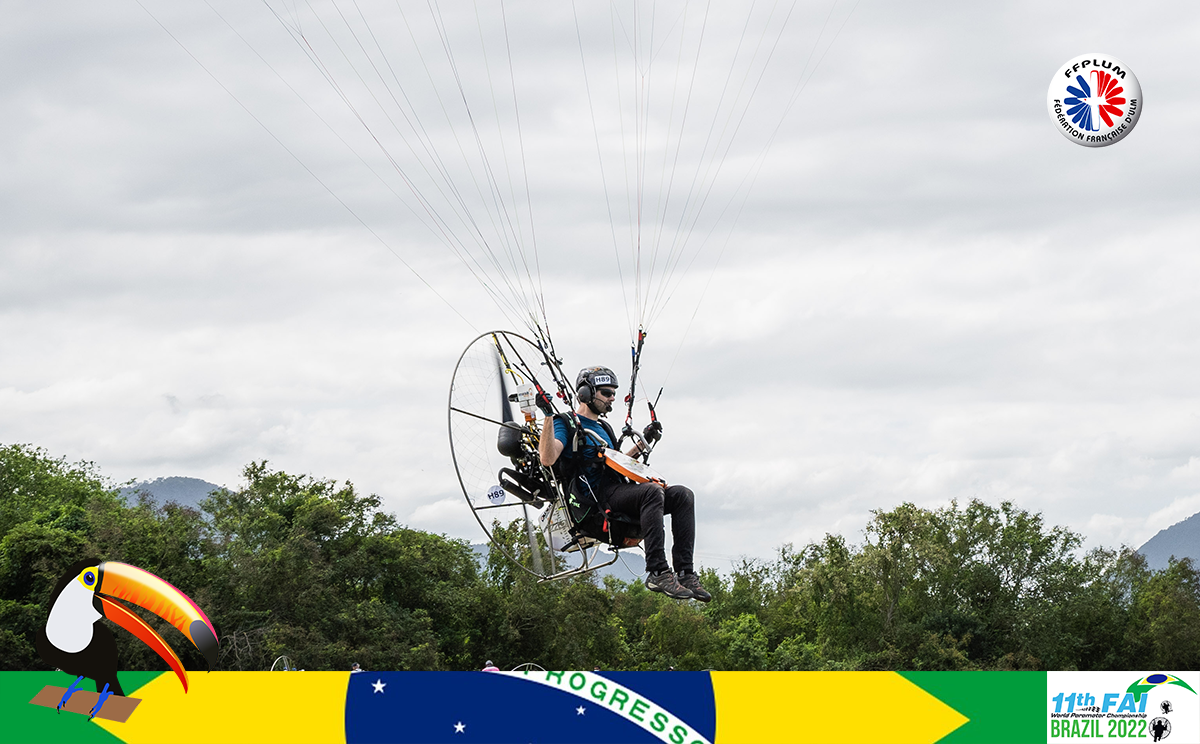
(1095, 100)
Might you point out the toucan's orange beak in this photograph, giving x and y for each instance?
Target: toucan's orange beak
(144, 589)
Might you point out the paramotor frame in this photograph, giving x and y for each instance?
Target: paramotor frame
(494, 433)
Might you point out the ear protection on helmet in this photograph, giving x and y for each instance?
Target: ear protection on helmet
(589, 379)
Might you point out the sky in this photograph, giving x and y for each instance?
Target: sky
(897, 282)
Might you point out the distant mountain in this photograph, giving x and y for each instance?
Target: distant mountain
(631, 566)
(185, 491)
(1181, 540)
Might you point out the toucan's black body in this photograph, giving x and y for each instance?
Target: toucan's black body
(98, 661)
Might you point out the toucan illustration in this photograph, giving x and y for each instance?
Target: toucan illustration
(75, 641)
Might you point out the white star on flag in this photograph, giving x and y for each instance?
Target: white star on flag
(580, 711)
(459, 727)
(379, 684)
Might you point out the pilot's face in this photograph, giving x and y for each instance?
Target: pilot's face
(604, 398)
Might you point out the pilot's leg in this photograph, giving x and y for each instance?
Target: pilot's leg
(644, 501)
(679, 502)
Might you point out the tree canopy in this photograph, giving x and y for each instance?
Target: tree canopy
(312, 569)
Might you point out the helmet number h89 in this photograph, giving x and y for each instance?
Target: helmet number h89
(590, 378)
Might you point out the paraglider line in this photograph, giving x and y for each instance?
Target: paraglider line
(288, 150)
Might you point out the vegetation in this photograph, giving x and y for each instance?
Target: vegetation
(308, 568)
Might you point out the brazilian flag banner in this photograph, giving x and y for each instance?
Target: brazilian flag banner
(610, 707)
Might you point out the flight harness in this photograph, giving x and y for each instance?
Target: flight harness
(617, 529)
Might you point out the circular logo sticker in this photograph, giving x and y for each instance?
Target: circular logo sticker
(495, 494)
(1095, 100)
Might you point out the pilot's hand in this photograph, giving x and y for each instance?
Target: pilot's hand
(653, 432)
(543, 403)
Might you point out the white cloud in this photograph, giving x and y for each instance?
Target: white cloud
(929, 295)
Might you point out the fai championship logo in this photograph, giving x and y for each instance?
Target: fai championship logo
(1095, 100)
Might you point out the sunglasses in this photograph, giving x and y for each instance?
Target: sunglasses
(607, 393)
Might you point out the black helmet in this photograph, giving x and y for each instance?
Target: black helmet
(590, 378)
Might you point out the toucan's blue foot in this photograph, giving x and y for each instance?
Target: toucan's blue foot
(70, 691)
(104, 695)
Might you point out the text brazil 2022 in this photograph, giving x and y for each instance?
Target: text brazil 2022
(1094, 728)
(1077, 716)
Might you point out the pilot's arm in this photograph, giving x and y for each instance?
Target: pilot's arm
(549, 448)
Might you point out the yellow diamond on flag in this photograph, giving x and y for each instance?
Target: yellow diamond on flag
(827, 707)
(262, 707)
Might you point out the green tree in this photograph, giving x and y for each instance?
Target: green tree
(678, 636)
(310, 568)
(743, 642)
(1165, 618)
(45, 505)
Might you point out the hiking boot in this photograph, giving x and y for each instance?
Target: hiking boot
(666, 583)
(690, 581)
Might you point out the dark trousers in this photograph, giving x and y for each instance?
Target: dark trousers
(648, 502)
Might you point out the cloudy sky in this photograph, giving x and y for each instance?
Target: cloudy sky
(927, 293)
